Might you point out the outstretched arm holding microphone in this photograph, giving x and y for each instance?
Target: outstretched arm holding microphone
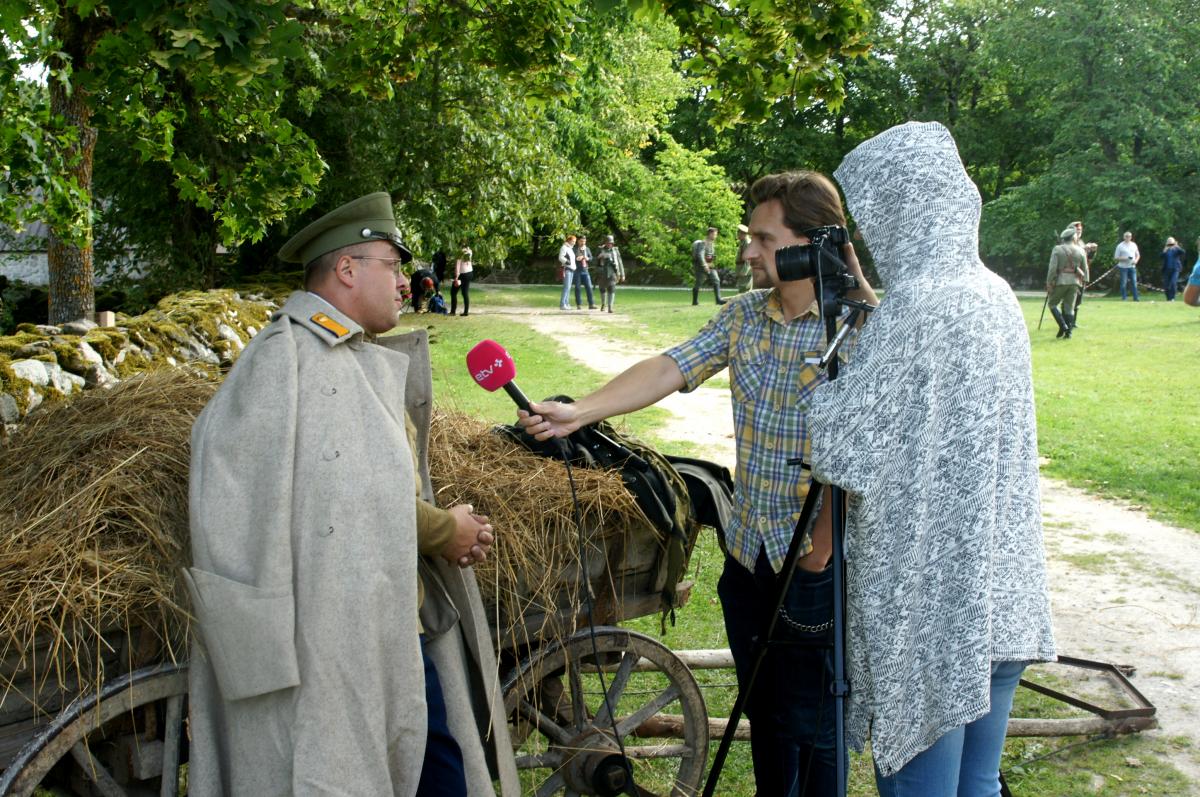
(641, 385)
(770, 340)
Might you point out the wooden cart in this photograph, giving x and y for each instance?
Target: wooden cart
(126, 737)
(577, 696)
(580, 690)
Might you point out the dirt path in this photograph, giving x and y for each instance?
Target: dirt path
(1125, 588)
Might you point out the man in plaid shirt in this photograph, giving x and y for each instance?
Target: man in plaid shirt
(770, 340)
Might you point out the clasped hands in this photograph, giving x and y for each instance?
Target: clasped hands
(472, 538)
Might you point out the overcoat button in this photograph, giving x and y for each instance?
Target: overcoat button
(330, 456)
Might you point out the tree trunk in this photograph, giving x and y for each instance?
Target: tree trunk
(69, 253)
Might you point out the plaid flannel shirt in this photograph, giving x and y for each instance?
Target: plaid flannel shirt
(772, 374)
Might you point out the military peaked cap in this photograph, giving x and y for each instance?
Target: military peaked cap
(368, 218)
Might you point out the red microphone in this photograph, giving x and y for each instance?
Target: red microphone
(492, 368)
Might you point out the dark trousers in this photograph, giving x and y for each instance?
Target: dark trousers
(1170, 281)
(700, 277)
(442, 773)
(465, 286)
(793, 737)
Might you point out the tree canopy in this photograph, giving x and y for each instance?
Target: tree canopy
(164, 131)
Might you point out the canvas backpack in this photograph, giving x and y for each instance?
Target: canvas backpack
(674, 504)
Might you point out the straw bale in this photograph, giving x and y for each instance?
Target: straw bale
(93, 529)
(534, 567)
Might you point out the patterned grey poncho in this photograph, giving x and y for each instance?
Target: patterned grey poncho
(931, 430)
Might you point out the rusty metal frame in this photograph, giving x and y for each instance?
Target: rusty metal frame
(1143, 707)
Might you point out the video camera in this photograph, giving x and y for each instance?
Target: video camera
(820, 260)
(821, 256)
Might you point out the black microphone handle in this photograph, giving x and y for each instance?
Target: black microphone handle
(519, 399)
(517, 396)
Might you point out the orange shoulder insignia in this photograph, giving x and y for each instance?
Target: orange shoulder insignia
(329, 325)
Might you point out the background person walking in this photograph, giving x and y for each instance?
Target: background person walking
(703, 269)
(1064, 279)
(611, 271)
(583, 259)
(566, 262)
(464, 272)
(1127, 257)
(1172, 263)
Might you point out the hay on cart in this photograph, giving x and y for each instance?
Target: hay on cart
(94, 529)
(541, 565)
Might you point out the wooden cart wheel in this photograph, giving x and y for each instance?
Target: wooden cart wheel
(557, 706)
(113, 737)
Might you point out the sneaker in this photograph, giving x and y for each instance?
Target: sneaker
(565, 307)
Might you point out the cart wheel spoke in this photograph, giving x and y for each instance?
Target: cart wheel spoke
(665, 698)
(172, 732)
(617, 687)
(551, 786)
(545, 724)
(551, 759)
(579, 709)
(648, 751)
(94, 771)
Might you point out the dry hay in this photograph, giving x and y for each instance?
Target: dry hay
(93, 530)
(533, 570)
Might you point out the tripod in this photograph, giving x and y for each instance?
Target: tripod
(832, 299)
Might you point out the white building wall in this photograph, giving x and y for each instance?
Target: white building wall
(30, 267)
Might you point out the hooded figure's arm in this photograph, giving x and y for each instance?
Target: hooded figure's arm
(908, 390)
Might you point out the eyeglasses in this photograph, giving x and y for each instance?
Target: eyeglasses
(395, 264)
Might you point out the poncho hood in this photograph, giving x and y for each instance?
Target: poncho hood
(912, 219)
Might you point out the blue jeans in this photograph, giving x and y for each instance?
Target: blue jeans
(1128, 276)
(582, 277)
(793, 738)
(568, 277)
(966, 761)
(1170, 281)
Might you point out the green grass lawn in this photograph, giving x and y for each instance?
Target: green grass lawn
(1116, 403)
(1113, 415)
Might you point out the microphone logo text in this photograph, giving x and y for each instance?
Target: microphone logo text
(484, 373)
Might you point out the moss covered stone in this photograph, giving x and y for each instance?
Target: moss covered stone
(194, 326)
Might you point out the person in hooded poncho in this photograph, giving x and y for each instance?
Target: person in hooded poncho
(931, 430)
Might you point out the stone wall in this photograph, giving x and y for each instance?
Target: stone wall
(43, 363)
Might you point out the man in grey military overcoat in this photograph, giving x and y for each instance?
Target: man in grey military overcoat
(310, 672)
